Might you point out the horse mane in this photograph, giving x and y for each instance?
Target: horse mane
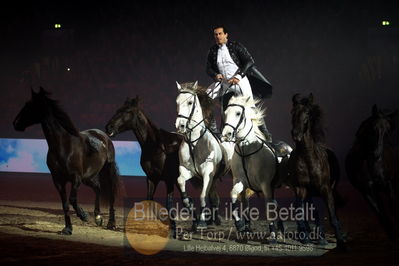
(206, 102)
(316, 119)
(369, 122)
(317, 123)
(258, 112)
(59, 114)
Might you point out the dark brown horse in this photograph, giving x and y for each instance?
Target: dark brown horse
(372, 166)
(86, 157)
(314, 169)
(159, 148)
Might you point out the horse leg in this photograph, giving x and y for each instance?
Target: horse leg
(111, 219)
(329, 198)
(302, 224)
(377, 205)
(184, 176)
(206, 179)
(214, 201)
(84, 216)
(65, 206)
(169, 206)
(245, 205)
(95, 185)
(151, 187)
(319, 230)
(238, 188)
(270, 202)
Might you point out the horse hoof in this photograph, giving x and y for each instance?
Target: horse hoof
(84, 216)
(240, 225)
(322, 242)
(305, 240)
(217, 221)
(201, 225)
(248, 228)
(173, 234)
(242, 238)
(99, 220)
(341, 245)
(111, 226)
(272, 241)
(67, 231)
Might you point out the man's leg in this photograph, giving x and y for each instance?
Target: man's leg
(265, 131)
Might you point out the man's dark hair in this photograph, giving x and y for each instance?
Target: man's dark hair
(219, 26)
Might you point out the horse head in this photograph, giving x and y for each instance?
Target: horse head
(125, 117)
(33, 111)
(374, 130)
(240, 116)
(306, 118)
(188, 106)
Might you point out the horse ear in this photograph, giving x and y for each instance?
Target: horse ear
(374, 110)
(195, 85)
(42, 91)
(138, 99)
(33, 92)
(178, 86)
(393, 114)
(296, 98)
(310, 98)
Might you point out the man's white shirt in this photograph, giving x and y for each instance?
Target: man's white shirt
(228, 69)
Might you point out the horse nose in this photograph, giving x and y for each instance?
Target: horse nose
(296, 136)
(16, 125)
(110, 130)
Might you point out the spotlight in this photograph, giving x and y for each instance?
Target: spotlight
(57, 26)
(385, 23)
(68, 69)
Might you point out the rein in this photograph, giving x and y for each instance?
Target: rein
(240, 151)
(187, 139)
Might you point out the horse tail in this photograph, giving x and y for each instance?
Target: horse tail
(110, 182)
(335, 177)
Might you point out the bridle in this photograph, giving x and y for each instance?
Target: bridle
(242, 118)
(190, 130)
(240, 150)
(190, 116)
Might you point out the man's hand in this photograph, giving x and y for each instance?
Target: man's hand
(233, 81)
(219, 77)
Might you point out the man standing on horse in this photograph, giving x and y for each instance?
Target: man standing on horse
(232, 67)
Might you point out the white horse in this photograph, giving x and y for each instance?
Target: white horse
(201, 155)
(256, 164)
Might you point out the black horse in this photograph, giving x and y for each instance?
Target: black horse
(313, 168)
(372, 168)
(159, 148)
(86, 157)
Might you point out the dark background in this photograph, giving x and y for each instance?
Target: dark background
(337, 50)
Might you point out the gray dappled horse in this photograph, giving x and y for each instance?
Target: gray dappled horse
(202, 156)
(256, 164)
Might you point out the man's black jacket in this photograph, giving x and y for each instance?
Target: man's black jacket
(261, 87)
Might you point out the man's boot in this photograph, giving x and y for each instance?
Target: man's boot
(213, 128)
(266, 132)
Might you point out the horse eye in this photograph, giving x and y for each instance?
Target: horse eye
(238, 114)
(190, 103)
